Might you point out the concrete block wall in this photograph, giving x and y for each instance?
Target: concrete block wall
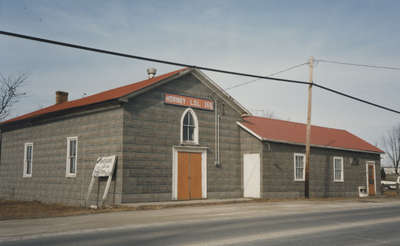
(99, 134)
(152, 128)
(278, 172)
(142, 133)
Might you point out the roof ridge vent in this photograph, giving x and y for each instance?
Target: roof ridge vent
(151, 72)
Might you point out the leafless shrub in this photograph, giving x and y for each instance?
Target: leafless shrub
(10, 94)
(391, 143)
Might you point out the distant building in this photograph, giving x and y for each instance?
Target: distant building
(177, 136)
(391, 170)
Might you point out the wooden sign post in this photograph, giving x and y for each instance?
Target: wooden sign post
(104, 168)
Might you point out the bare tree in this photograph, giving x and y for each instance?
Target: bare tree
(10, 92)
(269, 114)
(391, 143)
(264, 113)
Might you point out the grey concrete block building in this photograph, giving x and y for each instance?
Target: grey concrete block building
(177, 136)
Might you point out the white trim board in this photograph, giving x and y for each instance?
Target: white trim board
(250, 131)
(294, 166)
(223, 94)
(203, 151)
(68, 174)
(203, 79)
(196, 127)
(334, 169)
(25, 174)
(155, 85)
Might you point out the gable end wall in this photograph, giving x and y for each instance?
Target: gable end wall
(152, 128)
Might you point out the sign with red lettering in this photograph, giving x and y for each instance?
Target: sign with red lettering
(189, 101)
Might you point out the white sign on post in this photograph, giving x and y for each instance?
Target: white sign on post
(104, 168)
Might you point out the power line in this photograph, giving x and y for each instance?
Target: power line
(355, 98)
(358, 65)
(272, 74)
(42, 40)
(190, 66)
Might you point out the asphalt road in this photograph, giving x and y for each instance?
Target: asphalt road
(252, 224)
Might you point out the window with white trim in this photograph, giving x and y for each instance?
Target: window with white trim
(72, 156)
(338, 169)
(299, 166)
(189, 127)
(28, 154)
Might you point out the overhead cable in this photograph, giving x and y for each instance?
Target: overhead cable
(272, 74)
(42, 40)
(357, 65)
(355, 98)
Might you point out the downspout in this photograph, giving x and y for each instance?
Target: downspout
(217, 149)
(219, 152)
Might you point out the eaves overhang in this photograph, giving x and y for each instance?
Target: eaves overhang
(302, 144)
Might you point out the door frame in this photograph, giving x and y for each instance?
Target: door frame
(261, 170)
(193, 149)
(366, 172)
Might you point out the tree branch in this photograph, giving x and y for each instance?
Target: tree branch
(10, 92)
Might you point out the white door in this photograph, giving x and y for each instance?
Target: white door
(251, 175)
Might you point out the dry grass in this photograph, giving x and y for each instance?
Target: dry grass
(34, 209)
(390, 193)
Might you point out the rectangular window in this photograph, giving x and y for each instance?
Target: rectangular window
(299, 166)
(72, 156)
(28, 154)
(338, 169)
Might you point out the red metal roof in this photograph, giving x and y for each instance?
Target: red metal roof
(292, 132)
(96, 98)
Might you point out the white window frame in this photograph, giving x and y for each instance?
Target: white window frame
(334, 169)
(68, 163)
(294, 166)
(196, 127)
(25, 171)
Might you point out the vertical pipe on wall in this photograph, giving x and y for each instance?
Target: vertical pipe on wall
(216, 132)
(219, 153)
(217, 156)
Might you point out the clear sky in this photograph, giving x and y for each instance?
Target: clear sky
(259, 37)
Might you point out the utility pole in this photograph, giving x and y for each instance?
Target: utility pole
(308, 133)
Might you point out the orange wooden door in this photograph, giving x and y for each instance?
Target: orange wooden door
(195, 175)
(371, 180)
(189, 175)
(183, 176)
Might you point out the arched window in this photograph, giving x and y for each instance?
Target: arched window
(189, 127)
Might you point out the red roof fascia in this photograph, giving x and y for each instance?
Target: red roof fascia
(292, 132)
(96, 98)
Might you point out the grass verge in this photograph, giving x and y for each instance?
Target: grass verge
(34, 209)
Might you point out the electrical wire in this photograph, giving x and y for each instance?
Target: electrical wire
(355, 98)
(272, 74)
(191, 66)
(358, 65)
(42, 40)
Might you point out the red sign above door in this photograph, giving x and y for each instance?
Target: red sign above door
(189, 101)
